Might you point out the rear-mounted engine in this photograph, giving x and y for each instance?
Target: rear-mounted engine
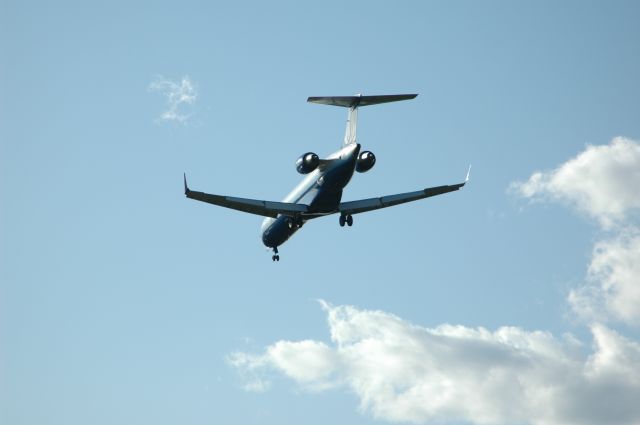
(366, 161)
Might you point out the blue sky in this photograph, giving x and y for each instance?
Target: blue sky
(123, 302)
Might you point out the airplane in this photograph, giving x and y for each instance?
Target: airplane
(320, 192)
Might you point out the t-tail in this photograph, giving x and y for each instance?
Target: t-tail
(353, 103)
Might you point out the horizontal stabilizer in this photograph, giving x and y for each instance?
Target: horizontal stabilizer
(353, 103)
(356, 101)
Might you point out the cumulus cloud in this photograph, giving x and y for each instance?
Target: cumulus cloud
(612, 289)
(602, 181)
(407, 373)
(180, 96)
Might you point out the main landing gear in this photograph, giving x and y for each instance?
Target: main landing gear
(346, 218)
(275, 256)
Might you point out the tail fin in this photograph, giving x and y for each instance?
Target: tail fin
(353, 103)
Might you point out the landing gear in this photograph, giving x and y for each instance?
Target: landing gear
(294, 222)
(346, 218)
(275, 256)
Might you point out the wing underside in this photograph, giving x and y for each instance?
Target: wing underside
(252, 206)
(273, 209)
(364, 205)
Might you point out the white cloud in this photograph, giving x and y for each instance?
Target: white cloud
(308, 362)
(406, 373)
(180, 96)
(612, 289)
(250, 366)
(602, 181)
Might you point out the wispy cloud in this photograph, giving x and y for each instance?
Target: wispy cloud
(402, 372)
(250, 368)
(602, 181)
(180, 97)
(309, 362)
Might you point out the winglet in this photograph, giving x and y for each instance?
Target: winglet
(468, 172)
(186, 188)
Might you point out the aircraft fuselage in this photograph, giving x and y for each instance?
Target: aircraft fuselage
(321, 190)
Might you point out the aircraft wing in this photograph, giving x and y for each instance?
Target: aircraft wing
(364, 205)
(252, 206)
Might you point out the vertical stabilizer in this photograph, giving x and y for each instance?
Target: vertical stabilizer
(352, 125)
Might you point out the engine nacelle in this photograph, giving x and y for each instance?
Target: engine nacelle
(307, 163)
(366, 161)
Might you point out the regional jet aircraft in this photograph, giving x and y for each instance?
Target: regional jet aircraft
(320, 192)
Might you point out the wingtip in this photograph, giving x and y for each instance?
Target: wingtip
(186, 188)
(466, 179)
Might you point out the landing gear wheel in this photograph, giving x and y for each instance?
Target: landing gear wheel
(342, 220)
(349, 220)
(295, 222)
(275, 256)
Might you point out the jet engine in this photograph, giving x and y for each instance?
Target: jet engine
(307, 163)
(366, 161)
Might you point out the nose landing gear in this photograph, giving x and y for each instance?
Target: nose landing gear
(275, 256)
(346, 218)
(294, 222)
